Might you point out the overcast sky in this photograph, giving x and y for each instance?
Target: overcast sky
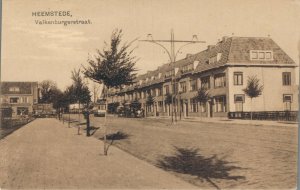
(33, 52)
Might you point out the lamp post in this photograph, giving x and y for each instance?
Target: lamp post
(172, 56)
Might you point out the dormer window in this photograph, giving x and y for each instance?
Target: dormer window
(195, 63)
(170, 73)
(14, 89)
(215, 58)
(187, 68)
(261, 55)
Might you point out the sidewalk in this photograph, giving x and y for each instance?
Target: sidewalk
(47, 154)
(235, 121)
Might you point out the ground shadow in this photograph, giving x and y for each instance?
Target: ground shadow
(92, 130)
(115, 137)
(190, 161)
(73, 121)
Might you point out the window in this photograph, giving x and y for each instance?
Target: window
(170, 73)
(239, 98)
(268, 55)
(254, 55)
(183, 87)
(261, 55)
(187, 68)
(167, 90)
(194, 105)
(24, 100)
(220, 80)
(287, 98)
(238, 78)
(3, 100)
(287, 102)
(286, 78)
(14, 100)
(205, 82)
(215, 58)
(159, 92)
(14, 89)
(220, 103)
(193, 85)
(153, 92)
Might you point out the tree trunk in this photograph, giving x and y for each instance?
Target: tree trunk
(251, 110)
(87, 123)
(79, 126)
(69, 119)
(105, 122)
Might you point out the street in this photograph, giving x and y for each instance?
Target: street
(232, 156)
(46, 153)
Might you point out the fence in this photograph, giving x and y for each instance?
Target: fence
(266, 115)
(14, 122)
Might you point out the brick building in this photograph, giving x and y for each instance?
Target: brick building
(223, 69)
(20, 96)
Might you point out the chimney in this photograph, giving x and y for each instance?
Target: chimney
(188, 55)
(209, 47)
(224, 38)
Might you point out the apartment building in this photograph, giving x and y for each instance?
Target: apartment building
(19, 96)
(223, 69)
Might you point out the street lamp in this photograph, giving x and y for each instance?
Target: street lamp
(172, 56)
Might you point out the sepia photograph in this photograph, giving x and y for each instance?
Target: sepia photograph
(149, 94)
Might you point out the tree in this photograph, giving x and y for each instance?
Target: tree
(113, 67)
(79, 92)
(168, 100)
(150, 101)
(49, 91)
(51, 94)
(135, 105)
(202, 96)
(253, 89)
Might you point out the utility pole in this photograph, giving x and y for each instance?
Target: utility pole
(172, 56)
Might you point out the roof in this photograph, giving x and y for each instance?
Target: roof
(232, 50)
(241, 46)
(24, 87)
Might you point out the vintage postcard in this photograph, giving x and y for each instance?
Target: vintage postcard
(149, 94)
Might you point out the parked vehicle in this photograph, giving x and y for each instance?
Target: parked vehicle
(99, 113)
(129, 112)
